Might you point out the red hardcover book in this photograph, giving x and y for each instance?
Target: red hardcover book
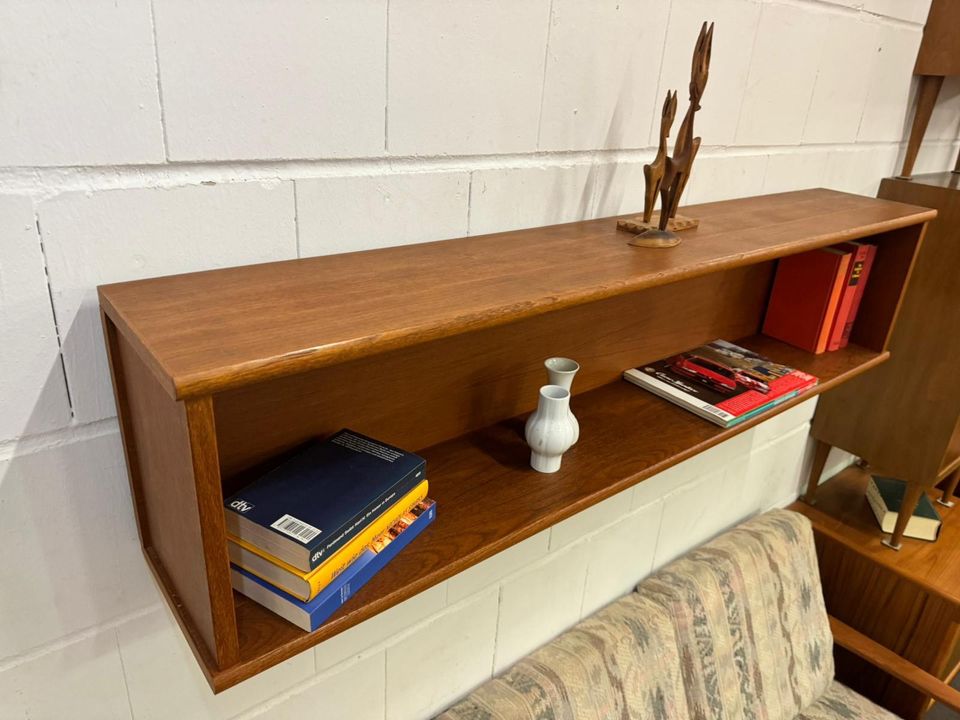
(861, 286)
(804, 298)
(852, 281)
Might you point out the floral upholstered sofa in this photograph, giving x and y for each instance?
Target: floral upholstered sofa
(734, 629)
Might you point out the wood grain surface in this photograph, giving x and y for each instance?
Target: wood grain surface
(939, 52)
(888, 661)
(422, 395)
(903, 417)
(488, 499)
(906, 601)
(183, 551)
(440, 346)
(205, 332)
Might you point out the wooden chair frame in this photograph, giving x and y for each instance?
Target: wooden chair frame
(888, 661)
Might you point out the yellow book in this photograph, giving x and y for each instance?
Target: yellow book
(303, 585)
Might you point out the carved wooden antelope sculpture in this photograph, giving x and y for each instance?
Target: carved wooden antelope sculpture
(668, 174)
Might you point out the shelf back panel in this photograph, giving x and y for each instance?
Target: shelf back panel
(422, 395)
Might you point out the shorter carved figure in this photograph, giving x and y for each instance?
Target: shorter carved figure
(653, 173)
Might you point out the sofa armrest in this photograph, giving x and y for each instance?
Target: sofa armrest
(888, 661)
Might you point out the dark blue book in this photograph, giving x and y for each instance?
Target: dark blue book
(311, 505)
(312, 614)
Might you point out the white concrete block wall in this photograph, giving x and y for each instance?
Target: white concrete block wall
(146, 137)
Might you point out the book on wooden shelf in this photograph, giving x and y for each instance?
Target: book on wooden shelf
(885, 495)
(721, 382)
(317, 501)
(306, 585)
(311, 614)
(805, 296)
(871, 253)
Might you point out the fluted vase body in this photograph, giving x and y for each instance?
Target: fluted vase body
(548, 431)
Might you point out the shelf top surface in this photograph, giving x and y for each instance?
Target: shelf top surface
(210, 331)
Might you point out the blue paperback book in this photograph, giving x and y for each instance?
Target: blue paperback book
(311, 614)
(308, 507)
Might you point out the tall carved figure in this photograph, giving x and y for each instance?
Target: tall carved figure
(667, 175)
(685, 150)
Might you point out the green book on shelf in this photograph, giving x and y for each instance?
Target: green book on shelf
(885, 496)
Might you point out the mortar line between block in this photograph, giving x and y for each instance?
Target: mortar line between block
(53, 312)
(386, 83)
(156, 62)
(543, 81)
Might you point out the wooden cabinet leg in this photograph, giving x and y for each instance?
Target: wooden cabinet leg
(956, 167)
(911, 497)
(926, 99)
(820, 454)
(947, 498)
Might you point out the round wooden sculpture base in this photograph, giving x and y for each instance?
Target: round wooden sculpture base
(655, 239)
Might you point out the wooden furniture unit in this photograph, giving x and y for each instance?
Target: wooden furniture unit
(904, 419)
(939, 56)
(907, 602)
(438, 346)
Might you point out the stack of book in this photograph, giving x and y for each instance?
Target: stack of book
(721, 382)
(307, 535)
(816, 296)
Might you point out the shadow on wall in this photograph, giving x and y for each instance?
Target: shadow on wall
(601, 177)
(71, 552)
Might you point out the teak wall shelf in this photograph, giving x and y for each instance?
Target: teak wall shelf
(439, 346)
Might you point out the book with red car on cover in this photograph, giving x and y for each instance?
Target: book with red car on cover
(721, 382)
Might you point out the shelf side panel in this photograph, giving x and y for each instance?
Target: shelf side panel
(883, 296)
(180, 534)
(420, 396)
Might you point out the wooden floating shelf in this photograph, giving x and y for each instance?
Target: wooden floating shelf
(440, 346)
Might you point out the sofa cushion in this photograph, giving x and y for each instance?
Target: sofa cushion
(841, 703)
(749, 620)
(621, 662)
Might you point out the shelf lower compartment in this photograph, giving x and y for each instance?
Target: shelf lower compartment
(489, 499)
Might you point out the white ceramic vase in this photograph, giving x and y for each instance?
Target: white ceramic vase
(548, 431)
(561, 371)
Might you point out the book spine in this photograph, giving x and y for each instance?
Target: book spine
(677, 397)
(851, 282)
(764, 408)
(362, 519)
(831, 309)
(343, 587)
(305, 586)
(858, 295)
(337, 563)
(879, 507)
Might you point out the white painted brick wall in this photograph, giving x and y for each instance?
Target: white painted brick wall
(32, 384)
(140, 138)
(251, 81)
(79, 83)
